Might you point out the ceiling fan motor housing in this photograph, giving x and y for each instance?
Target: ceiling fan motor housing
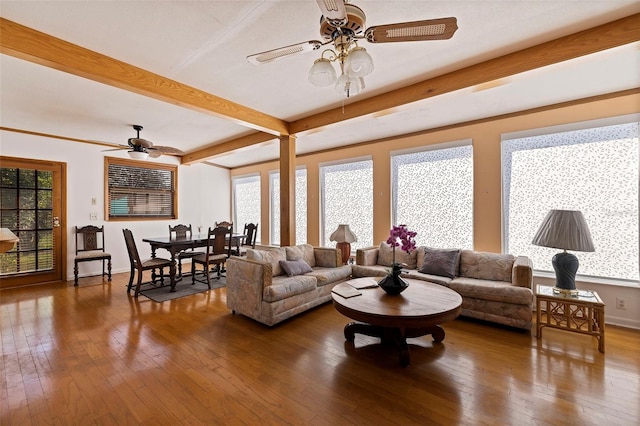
(355, 24)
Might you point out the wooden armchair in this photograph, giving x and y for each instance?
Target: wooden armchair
(229, 240)
(183, 231)
(218, 251)
(251, 233)
(90, 247)
(141, 266)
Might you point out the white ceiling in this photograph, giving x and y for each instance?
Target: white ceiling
(205, 44)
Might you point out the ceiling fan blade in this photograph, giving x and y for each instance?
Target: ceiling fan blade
(116, 149)
(272, 55)
(333, 11)
(430, 29)
(164, 150)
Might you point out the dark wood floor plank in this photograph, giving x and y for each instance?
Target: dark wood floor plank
(94, 355)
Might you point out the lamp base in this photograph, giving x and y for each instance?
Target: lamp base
(566, 265)
(345, 248)
(564, 291)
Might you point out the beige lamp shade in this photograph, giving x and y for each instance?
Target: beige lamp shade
(564, 229)
(343, 235)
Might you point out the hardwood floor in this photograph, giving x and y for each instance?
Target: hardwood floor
(93, 355)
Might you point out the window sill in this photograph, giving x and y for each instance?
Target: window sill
(590, 280)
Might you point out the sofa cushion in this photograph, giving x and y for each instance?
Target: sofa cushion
(385, 256)
(295, 267)
(330, 275)
(358, 271)
(486, 266)
(301, 251)
(283, 287)
(273, 256)
(498, 291)
(437, 279)
(442, 262)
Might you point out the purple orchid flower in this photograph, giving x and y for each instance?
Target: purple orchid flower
(400, 236)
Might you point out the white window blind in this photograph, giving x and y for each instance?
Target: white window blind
(432, 193)
(136, 191)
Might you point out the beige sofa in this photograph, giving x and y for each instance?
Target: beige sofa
(494, 287)
(259, 287)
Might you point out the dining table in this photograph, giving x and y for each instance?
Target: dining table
(175, 245)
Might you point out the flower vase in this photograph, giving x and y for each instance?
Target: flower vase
(393, 284)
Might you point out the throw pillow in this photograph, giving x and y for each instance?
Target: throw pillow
(295, 267)
(441, 262)
(273, 256)
(301, 251)
(486, 266)
(385, 256)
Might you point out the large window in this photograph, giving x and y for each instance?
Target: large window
(347, 198)
(301, 206)
(594, 170)
(246, 201)
(137, 190)
(432, 193)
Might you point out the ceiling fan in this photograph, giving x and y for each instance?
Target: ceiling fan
(343, 24)
(140, 148)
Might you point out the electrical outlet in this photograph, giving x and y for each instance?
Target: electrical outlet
(94, 201)
(93, 216)
(620, 303)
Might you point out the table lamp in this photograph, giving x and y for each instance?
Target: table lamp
(567, 230)
(344, 237)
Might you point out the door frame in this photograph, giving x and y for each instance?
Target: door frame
(59, 205)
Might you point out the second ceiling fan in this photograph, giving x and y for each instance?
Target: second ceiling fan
(343, 24)
(140, 149)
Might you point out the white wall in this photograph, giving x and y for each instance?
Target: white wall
(203, 191)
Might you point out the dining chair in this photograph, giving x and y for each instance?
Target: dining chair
(218, 251)
(251, 233)
(90, 247)
(146, 265)
(227, 224)
(183, 231)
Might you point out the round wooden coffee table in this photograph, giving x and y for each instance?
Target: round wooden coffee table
(416, 312)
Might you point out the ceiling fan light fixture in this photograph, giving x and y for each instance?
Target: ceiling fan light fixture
(348, 86)
(138, 155)
(322, 73)
(359, 63)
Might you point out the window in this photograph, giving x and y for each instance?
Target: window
(26, 208)
(138, 190)
(301, 206)
(246, 201)
(432, 193)
(594, 170)
(347, 197)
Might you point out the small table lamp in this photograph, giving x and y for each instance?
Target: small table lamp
(7, 240)
(344, 237)
(567, 230)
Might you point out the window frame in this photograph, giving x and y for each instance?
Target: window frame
(551, 131)
(251, 177)
(424, 149)
(321, 182)
(300, 209)
(173, 169)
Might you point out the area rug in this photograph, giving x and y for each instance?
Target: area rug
(183, 288)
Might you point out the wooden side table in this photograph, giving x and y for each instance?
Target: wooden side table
(580, 313)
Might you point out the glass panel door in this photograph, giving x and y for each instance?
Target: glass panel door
(31, 207)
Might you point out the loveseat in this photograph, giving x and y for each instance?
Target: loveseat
(494, 287)
(275, 283)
